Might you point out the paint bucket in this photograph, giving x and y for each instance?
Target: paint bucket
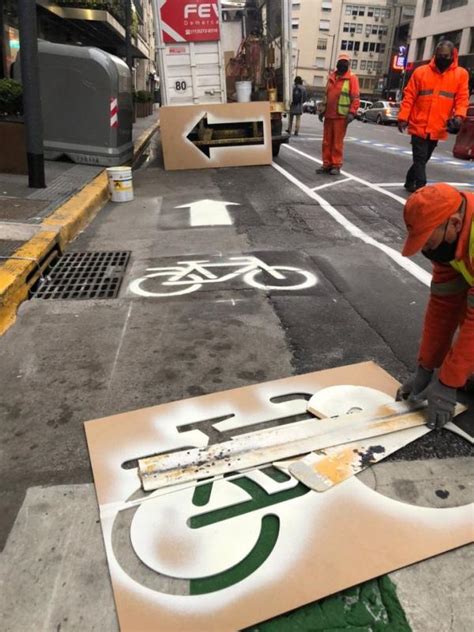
(272, 95)
(120, 183)
(244, 91)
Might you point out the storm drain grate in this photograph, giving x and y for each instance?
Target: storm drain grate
(84, 275)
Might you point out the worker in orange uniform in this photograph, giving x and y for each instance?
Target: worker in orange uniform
(435, 102)
(440, 223)
(338, 109)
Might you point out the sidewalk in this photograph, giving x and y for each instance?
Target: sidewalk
(33, 222)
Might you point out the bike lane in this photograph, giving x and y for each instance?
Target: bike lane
(70, 361)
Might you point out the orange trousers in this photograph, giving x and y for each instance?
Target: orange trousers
(333, 142)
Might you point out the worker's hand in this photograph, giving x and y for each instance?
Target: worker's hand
(441, 403)
(350, 118)
(415, 385)
(402, 125)
(454, 124)
(321, 117)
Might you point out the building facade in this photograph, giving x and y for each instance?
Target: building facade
(443, 19)
(99, 23)
(368, 31)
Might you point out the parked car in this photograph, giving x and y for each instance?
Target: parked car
(364, 105)
(464, 145)
(382, 113)
(310, 106)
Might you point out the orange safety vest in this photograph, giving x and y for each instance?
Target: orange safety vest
(432, 97)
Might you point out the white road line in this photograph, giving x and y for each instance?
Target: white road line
(330, 184)
(408, 265)
(345, 173)
(400, 184)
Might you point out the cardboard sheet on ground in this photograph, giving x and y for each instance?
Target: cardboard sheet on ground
(179, 152)
(254, 550)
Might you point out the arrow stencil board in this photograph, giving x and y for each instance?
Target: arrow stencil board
(216, 135)
(166, 551)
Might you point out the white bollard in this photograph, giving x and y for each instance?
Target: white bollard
(120, 183)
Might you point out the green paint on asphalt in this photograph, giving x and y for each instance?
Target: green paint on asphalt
(370, 607)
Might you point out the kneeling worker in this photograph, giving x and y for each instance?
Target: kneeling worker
(338, 109)
(440, 223)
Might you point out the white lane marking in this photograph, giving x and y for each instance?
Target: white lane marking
(209, 212)
(330, 184)
(400, 184)
(350, 175)
(379, 145)
(408, 265)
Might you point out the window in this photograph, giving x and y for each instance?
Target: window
(358, 28)
(320, 61)
(373, 47)
(427, 6)
(386, 13)
(363, 64)
(420, 48)
(318, 80)
(322, 44)
(350, 45)
(354, 9)
(295, 24)
(349, 27)
(452, 36)
(324, 25)
(354, 63)
(370, 65)
(296, 6)
(447, 5)
(326, 6)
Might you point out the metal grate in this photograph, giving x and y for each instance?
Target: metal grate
(84, 275)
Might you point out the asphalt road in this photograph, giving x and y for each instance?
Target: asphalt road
(65, 361)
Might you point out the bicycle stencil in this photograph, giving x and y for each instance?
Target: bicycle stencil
(193, 274)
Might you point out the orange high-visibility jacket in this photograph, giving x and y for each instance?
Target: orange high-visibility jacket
(451, 306)
(432, 97)
(341, 97)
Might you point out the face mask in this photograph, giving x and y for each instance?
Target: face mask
(442, 63)
(444, 253)
(342, 67)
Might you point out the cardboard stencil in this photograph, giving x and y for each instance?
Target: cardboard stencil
(177, 122)
(159, 543)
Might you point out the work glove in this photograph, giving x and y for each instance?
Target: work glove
(350, 118)
(441, 403)
(321, 117)
(415, 385)
(454, 124)
(402, 125)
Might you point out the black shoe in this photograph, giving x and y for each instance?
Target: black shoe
(335, 171)
(410, 187)
(296, 133)
(323, 170)
(288, 131)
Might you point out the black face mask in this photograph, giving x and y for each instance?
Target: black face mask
(442, 63)
(342, 67)
(444, 253)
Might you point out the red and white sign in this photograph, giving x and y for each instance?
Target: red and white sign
(189, 20)
(114, 112)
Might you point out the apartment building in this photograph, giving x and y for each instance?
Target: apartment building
(443, 19)
(321, 29)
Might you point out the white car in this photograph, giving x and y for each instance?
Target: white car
(364, 105)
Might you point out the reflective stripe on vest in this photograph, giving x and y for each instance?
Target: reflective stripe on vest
(449, 95)
(344, 101)
(446, 288)
(460, 266)
(425, 93)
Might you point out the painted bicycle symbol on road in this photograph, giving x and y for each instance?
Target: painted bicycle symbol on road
(190, 276)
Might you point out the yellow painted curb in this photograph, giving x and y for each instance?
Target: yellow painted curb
(14, 274)
(56, 230)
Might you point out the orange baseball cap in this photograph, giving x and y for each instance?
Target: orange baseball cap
(425, 210)
(344, 56)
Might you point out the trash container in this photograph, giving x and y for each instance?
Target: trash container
(87, 105)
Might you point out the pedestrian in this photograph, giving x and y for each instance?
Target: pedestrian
(338, 109)
(440, 223)
(435, 102)
(296, 107)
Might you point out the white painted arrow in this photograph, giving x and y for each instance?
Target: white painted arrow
(209, 212)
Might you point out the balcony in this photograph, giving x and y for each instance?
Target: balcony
(102, 22)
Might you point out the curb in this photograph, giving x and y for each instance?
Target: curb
(27, 263)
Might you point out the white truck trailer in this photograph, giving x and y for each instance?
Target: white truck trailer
(207, 48)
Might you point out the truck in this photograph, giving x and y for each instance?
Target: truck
(209, 50)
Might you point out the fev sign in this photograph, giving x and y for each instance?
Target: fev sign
(189, 20)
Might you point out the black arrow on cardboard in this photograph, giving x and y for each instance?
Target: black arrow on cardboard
(205, 135)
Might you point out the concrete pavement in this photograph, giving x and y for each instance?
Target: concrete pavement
(65, 362)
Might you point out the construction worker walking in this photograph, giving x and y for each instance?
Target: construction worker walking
(338, 109)
(435, 102)
(440, 223)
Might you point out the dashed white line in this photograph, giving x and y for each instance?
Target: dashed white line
(408, 265)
